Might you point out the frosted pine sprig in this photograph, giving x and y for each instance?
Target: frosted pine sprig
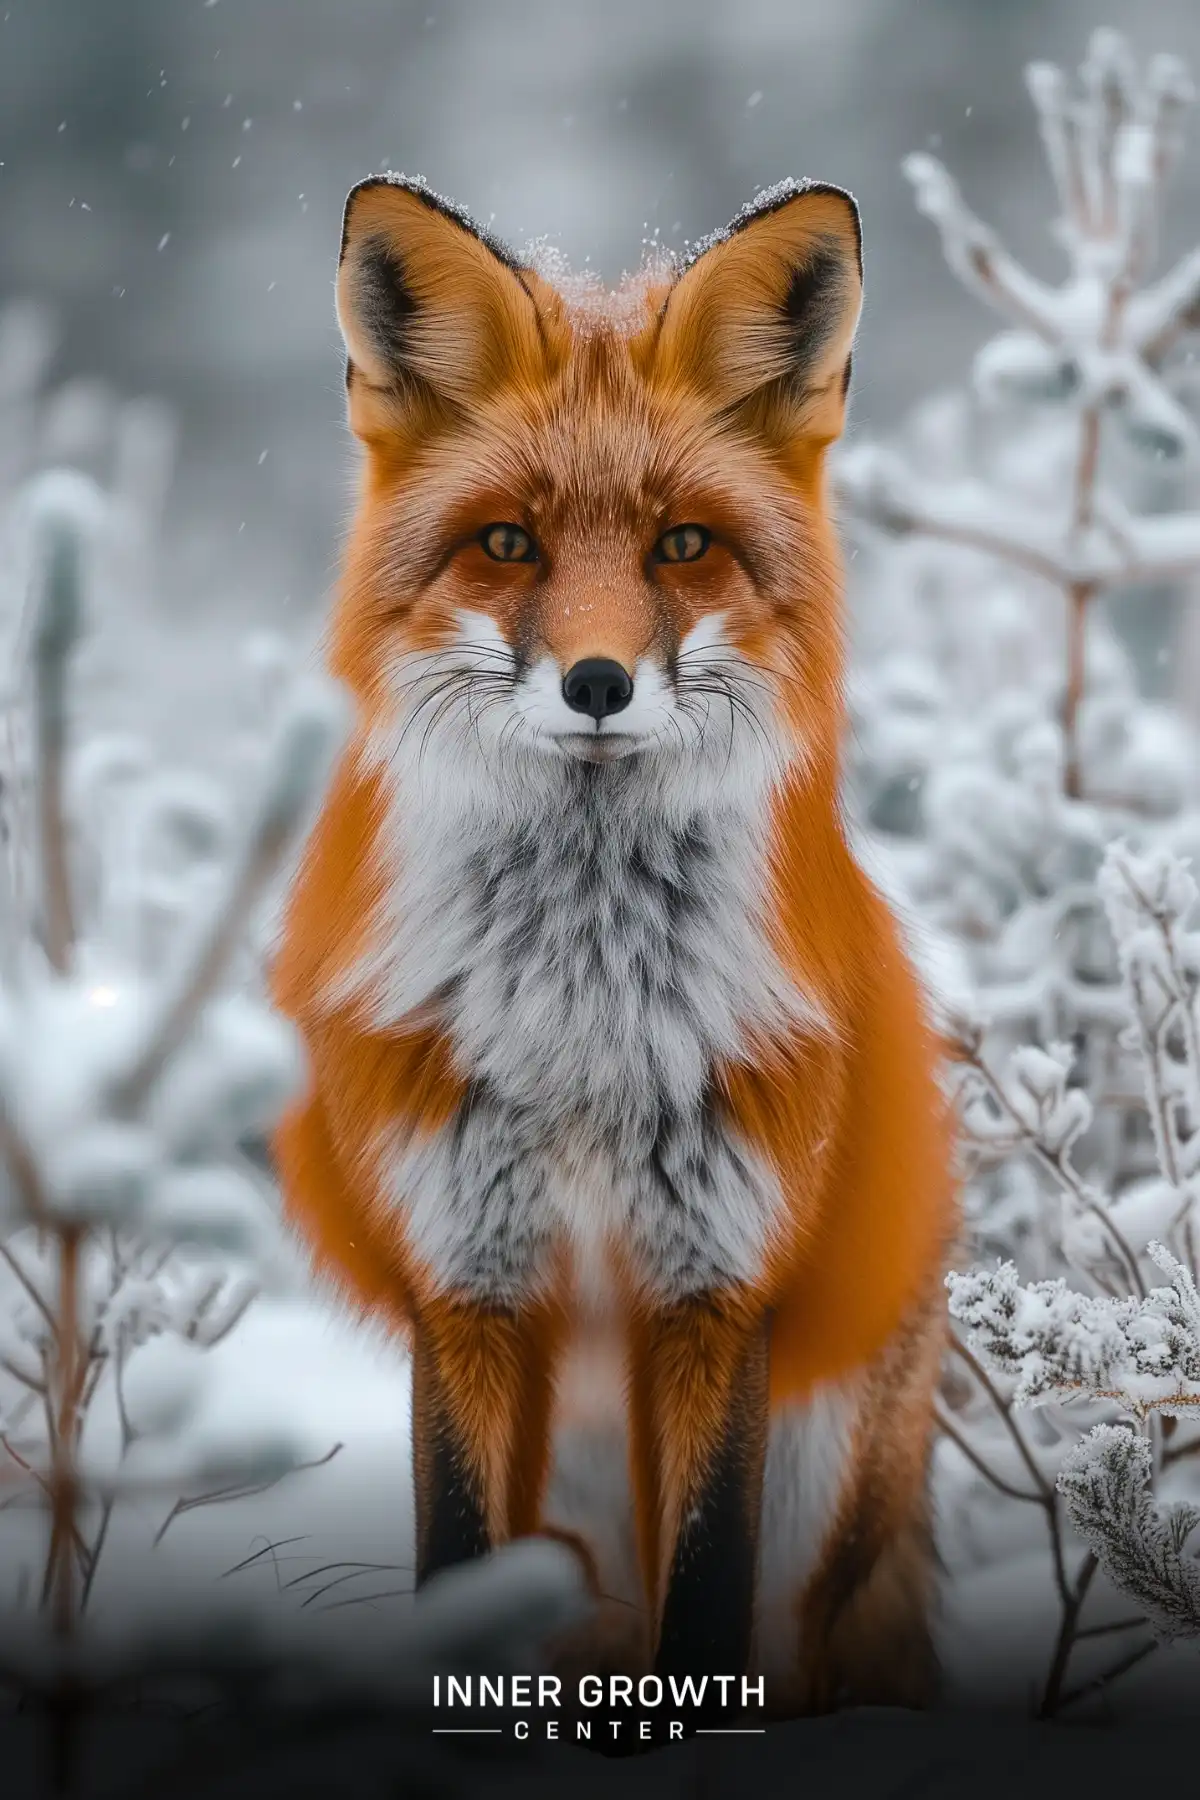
(1107, 1484)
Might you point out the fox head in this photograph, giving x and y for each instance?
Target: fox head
(597, 532)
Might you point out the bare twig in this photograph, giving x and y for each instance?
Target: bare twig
(66, 1700)
(26, 1377)
(977, 1461)
(1045, 1495)
(1096, 1683)
(352, 1573)
(94, 1553)
(26, 1467)
(64, 1486)
(1176, 1452)
(976, 254)
(1103, 555)
(240, 1492)
(1005, 1411)
(1095, 1631)
(1052, 1693)
(270, 1549)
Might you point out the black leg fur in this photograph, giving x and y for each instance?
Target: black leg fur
(450, 1523)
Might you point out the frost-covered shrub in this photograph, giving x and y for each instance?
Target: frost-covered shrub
(140, 1067)
(1038, 811)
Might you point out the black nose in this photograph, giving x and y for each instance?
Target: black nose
(597, 686)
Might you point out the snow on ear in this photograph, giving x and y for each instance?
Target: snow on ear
(433, 309)
(764, 314)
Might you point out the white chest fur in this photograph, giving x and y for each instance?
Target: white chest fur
(592, 942)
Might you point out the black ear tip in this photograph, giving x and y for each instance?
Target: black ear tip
(419, 188)
(352, 199)
(772, 199)
(852, 207)
(365, 186)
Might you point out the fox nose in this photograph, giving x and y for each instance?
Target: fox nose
(597, 686)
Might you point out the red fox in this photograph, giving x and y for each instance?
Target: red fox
(623, 1103)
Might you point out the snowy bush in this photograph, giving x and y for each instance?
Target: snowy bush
(140, 1067)
(1038, 813)
(127, 1082)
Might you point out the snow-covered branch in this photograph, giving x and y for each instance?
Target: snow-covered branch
(1092, 347)
(1052, 1341)
(976, 254)
(1110, 151)
(1114, 550)
(1166, 309)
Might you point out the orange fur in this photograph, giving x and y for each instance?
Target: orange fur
(511, 405)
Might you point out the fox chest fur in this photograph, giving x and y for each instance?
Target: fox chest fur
(594, 953)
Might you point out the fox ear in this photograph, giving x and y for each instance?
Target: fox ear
(762, 319)
(433, 310)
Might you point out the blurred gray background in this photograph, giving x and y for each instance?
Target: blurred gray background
(173, 173)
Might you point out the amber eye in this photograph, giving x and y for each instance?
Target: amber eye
(508, 543)
(683, 543)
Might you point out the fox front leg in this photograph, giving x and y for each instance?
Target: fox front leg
(481, 1397)
(700, 1434)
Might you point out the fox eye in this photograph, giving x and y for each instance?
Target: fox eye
(683, 543)
(508, 543)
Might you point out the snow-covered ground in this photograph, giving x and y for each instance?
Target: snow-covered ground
(294, 1359)
(340, 1383)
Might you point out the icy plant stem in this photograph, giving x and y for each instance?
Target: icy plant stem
(1052, 1693)
(1044, 1494)
(977, 1461)
(55, 886)
(1088, 1689)
(64, 1505)
(63, 1484)
(57, 632)
(1079, 597)
(1005, 1411)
